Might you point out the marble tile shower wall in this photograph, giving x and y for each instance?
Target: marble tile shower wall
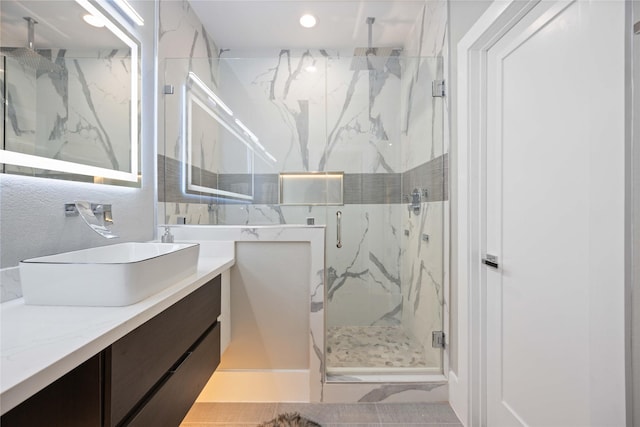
(77, 120)
(335, 119)
(323, 121)
(423, 285)
(180, 35)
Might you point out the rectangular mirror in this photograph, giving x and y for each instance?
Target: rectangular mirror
(220, 148)
(70, 92)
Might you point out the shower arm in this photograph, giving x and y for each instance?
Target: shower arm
(370, 21)
(30, 31)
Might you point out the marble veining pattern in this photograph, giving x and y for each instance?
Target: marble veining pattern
(423, 290)
(363, 276)
(87, 103)
(385, 392)
(362, 113)
(181, 31)
(369, 264)
(423, 262)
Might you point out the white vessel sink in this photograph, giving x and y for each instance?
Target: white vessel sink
(114, 275)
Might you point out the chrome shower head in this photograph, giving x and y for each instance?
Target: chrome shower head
(372, 58)
(28, 56)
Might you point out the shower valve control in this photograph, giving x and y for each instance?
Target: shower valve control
(415, 199)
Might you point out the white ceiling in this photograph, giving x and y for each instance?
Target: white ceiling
(258, 24)
(237, 24)
(60, 25)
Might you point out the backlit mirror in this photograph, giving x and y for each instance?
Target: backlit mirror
(220, 148)
(69, 82)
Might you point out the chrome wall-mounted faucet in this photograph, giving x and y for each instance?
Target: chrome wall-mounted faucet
(99, 210)
(96, 215)
(102, 211)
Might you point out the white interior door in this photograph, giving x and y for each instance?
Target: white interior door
(541, 197)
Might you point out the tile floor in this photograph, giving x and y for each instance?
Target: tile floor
(325, 414)
(372, 347)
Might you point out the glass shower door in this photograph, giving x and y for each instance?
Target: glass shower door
(385, 281)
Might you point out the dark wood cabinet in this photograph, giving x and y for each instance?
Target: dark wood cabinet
(75, 400)
(168, 406)
(137, 363)
(150, 377)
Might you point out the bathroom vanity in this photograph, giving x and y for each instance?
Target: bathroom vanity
(142, 364)
(154, 373)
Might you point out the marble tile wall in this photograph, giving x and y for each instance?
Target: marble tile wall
(183, 46)
(425, 155)
(285, 105)
(423, 125)
(356, 139)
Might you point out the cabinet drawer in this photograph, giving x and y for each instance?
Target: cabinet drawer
(139, 360)
(169, 405)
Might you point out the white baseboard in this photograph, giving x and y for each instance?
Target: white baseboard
(458, 398)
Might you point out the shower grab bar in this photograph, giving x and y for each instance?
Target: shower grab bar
(339, 226)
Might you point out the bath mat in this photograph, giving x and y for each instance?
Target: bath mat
(290, 420)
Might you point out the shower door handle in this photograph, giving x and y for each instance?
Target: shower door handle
(339, 228)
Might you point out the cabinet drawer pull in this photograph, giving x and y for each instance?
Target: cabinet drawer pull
(179, 363)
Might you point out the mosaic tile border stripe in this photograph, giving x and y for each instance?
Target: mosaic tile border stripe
(359, 188)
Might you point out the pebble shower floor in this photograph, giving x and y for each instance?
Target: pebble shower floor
(372, 347)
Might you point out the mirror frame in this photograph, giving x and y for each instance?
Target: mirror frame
(38, 162)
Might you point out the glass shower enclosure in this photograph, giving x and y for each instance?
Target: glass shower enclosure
(351, 143)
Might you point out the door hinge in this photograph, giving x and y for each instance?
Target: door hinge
(168, 90)
(438, 89)
(437, 339)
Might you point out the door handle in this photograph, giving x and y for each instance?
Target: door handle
(339, 227)
(491, 261)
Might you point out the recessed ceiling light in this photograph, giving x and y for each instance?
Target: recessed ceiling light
(93, 20)
(311, 69)
(308, 21)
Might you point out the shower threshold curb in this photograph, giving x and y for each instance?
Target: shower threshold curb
(389, 377)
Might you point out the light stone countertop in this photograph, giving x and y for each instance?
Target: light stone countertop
(39, 344)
